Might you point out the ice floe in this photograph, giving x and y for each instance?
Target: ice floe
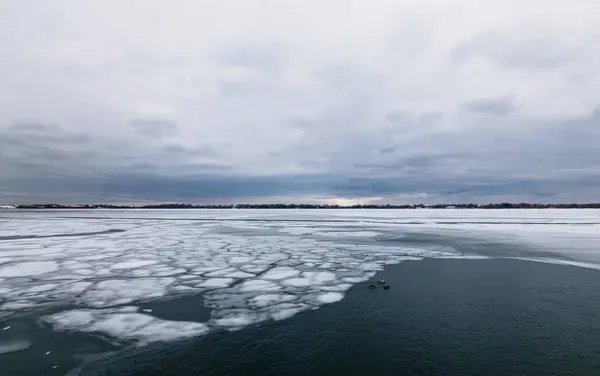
(244, 279)
(266, 300)
(217, 282)
(280, 273)
(123, 291)
(330, 297)
(133, 264)
(125, 324)
(269, 271)
(286, 313)
(24, 269)
(259, 285)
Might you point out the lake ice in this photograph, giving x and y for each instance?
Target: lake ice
(249, 265)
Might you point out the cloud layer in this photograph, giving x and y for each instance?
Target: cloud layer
(264, 100)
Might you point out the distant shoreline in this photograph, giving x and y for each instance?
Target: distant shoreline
(309, 206)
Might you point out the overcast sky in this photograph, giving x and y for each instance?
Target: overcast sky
(243, 100)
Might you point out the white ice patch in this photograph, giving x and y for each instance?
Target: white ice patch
(330, 297)
(42, 288)
(25, 269)
(310, 279)
(167, 272)
(236, 321)
(124, 291)
(217, 282)
(84, 271)
(298, 230)
(253, 268)
(141, 273)
(240, 259)
(133, 264)
(222, 272)
(371, 266)
(125, 325)
(348, 234)
(239, 275)
(286, 313)
(280, 273)
(259, 285)
(355, 279)
(297, 282)
(266, 300)
(17, 305)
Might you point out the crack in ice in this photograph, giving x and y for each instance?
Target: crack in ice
(243, 279)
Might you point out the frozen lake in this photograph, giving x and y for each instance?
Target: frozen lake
(91, 271)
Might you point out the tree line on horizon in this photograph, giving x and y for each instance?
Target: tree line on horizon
(503, 205)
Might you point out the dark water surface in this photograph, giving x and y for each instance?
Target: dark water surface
(440, 317)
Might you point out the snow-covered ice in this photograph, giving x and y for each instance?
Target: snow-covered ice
(239, 275)
(286, 313)
(125, 324)
(270, 299)
(133, 264)
(284, 264)
(25, 269)
(235, 321)
(42, 288)
(310, 279)
(259, 285)
(330, 297)
(217, 282)
(280, 273)
(123, 291)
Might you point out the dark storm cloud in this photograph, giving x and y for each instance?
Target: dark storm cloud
(48, 162)
(564, 157)
(31, 147)
(548, 163)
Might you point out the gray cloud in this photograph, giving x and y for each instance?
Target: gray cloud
(387, 150)
(356, 109)
(497, 106)
(542, 168)
(269, 59)
(519, 51)
(155, 127)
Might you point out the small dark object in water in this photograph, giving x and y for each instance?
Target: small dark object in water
(372, 286)
(382, 282)
(386, 287)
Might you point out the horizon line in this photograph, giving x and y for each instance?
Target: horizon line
(179, 205)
